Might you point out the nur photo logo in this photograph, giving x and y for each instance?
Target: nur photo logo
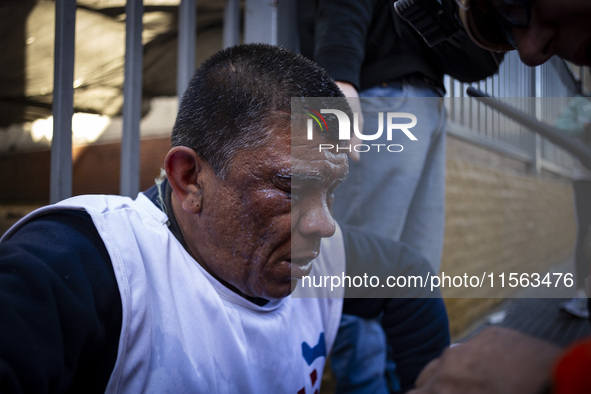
(388, 122)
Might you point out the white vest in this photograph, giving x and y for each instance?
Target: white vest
(185, 332)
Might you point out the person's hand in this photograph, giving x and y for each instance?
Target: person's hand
(350, 92)
(497, 360)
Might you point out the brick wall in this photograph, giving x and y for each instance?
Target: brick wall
(24, 176)
(501, 218)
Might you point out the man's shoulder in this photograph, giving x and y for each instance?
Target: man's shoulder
(56, 263)
(52, 225)
(55, 239)
(74, 207)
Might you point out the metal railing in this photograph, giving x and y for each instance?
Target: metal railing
(467, 118)
(259, 15)
(474, 121)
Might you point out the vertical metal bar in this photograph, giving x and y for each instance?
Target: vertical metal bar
(260, 21)
(535, 87)
(186, 45)
(487, 111)
(452, 100)
(231, 23)
(63, 100)
(287, 30)
(132, 100)
(482, 113)
(463, 106)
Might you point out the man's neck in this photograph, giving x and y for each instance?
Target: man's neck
(173, 209)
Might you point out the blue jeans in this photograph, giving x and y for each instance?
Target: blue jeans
(358, 360)
(397, 195)
(400, 195)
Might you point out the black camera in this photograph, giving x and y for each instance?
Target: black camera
(434, 20)
(488, 23)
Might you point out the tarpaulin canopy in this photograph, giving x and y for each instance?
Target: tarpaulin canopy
(27, 30)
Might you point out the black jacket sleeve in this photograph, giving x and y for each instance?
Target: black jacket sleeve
(60, 307)
(417, 329)
(333, 32)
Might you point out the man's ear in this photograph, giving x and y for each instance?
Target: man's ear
(183, 166)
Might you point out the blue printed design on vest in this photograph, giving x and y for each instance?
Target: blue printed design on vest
(312, 353)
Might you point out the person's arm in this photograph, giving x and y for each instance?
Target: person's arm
(418, 331)
(60, 307)
(340, 30)
(571, 372)
(496, 361)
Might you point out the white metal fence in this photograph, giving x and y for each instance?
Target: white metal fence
(480, 124)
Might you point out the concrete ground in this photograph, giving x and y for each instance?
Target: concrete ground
(539, 317)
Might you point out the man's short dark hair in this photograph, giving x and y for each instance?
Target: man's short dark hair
(239, 94)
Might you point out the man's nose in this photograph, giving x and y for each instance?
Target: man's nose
(535, 44)
(316, 218)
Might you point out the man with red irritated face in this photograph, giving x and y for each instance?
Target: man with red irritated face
(186, 288)
(538, 29)
(258, 196)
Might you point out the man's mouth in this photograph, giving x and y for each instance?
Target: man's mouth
(301, 267)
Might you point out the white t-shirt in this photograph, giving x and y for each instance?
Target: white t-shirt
(184, 331)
